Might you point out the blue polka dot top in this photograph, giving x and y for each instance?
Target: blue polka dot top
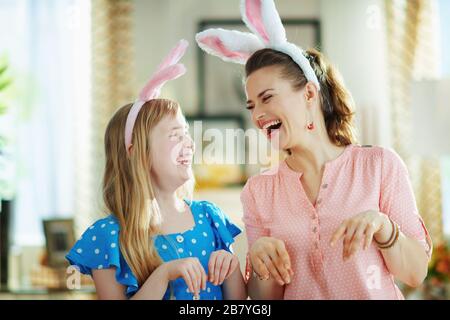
(98, 248)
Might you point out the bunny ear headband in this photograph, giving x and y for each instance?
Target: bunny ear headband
(262, 18)
(169, 69)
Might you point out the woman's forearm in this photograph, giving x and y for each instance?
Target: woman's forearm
(406, 259)
(264, 289)
(154, 287)
(234, 287)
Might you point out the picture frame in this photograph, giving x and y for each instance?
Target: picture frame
(59, 239)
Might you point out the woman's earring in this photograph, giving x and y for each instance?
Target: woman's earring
(311, 126)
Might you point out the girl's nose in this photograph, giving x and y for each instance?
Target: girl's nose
(189, 143)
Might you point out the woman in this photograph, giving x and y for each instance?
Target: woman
(334, 220)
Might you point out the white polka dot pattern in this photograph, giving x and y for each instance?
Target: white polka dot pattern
(360, 179)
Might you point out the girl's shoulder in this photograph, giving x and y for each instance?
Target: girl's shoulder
(96, 246)
(209, 209)
(105, 229)
(217, 218)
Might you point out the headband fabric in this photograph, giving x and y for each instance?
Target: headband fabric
(168, 70)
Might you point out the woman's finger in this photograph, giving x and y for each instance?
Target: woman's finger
(349, 233)
(284, 258)
(260, 269)
(370, 230)
(273, 270)
(357, 238)
(281, 267)
(339, 233)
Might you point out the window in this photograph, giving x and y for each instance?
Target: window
(444, 10)
(47, 43)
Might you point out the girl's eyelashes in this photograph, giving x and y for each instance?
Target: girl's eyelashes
(249, 107)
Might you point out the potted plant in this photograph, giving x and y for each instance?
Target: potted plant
(437, 283)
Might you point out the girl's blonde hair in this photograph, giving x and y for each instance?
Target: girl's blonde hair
(127, 185)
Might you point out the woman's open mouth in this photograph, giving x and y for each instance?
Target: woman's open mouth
(272, 127)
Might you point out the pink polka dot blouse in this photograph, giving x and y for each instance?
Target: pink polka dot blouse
(360, 179)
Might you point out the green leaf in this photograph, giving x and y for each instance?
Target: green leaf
(3, 69)
(5, 84)
(3, 108)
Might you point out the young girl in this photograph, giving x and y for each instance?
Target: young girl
(157, 244)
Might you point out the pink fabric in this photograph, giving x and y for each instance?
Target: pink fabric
(253, 11)
(169, 69)
(217, 45)
(360, 179)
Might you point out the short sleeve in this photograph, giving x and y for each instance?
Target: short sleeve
(398, 202)
(225, 230)
(253, 225)
(98, 248)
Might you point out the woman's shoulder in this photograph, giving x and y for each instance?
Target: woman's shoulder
(378, 154)
(263, 183)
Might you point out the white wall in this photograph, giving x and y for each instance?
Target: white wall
(354, 38)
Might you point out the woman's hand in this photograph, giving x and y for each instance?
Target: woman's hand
(190, 269)
(221, 265)
(269, 257)
(361, 229)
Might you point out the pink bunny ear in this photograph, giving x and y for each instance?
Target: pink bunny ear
(169, 69)
(229, 45)
(153, 88)
(174, 55)
(263, 19)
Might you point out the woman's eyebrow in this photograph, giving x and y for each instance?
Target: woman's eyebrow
(260, 94)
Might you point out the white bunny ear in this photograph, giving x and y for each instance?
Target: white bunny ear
(229, 45)
(263, 19)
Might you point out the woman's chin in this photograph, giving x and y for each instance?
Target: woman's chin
(278, 141)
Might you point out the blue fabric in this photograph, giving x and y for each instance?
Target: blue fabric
(98, 248)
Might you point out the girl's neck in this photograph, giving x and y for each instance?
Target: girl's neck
(169, 202)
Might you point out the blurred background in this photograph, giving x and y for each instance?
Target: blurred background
(67, 65)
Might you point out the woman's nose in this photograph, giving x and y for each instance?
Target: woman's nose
(258, 114)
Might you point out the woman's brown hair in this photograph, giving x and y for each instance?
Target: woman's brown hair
(336, 100)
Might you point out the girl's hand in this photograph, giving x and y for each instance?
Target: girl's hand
(190, 269)
(221, 265)
(361, 228)
(269, 257)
